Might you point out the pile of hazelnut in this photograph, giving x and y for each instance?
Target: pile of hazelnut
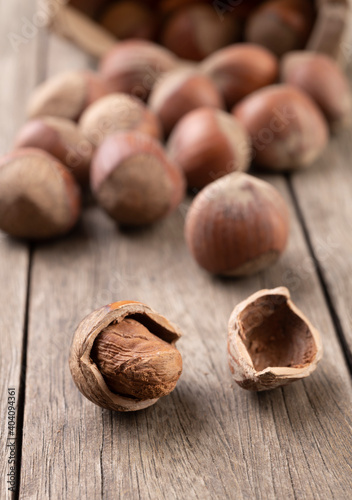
(147, 126)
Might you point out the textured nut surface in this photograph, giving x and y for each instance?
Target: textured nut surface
(66, 94)
(208, 144)
(85, 372)
(118, 112)
(39, 197)
(180, 92)
(240, 69)
(237, 226)
(134, 181)
(271, 343)
(321, 77)
(61, 138)
(287, 128)
(134, 66)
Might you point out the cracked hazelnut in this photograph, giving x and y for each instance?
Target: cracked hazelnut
(118, 112)
(240, 69)
(61, 138)
(287, 129)
(180, 92)
(123, 356)
(134, 181)
(237, 226)
(134, 66)
(320, 77)
(39, 197)
(207, 144)
(271, 343)
(66, 95)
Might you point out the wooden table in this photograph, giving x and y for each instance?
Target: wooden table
(209, 439)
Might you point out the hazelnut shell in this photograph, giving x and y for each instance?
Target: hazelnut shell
(86, 374)
(129, 19)
(267, 330)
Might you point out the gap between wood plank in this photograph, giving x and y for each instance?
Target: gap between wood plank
(320, 273)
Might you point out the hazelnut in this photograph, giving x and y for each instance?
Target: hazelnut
(180, 92)
(39, 197)
(239, 70)
(271, 343)
(128, 19)
(237, 226)
(281, 25)
(133, 66)
(134, 181)
(61, 138)
(66, 95)
(321, 77)
(89, 7)
(207, 144)
(123, 356)
(195, 31)
(288, 130)
(118, 112)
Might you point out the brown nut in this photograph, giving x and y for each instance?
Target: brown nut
(61, 138)
(123, 356)
(129, 19)
(180, 92)
(321, 77)
(134, 181)
(287, 128)
(134, 66)
(237, 226)
(118, 112)
(208, 144)
(271, 343)
(39, 197)
(66, 95)
(240, 69)
(195, 31)
(281, 25)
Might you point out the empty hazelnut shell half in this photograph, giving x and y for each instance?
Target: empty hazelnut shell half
(134, 66)
(287, 128)
(66, 94)
(320, 77)
(39, 197)
(61, 138)
(237, 225)
(133, 179)
(181, 91)
(123, 356)
(118, 112)
(207, 144)
(271, 343)
(240, 69)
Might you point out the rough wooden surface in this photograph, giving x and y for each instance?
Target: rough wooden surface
(208, 439)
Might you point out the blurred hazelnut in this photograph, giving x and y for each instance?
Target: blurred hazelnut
(61, 138)
(281, 25)
(118, 112)
(241, 69)
(66, 95)
(208, 144)
(180, 92)
(288, 130)
(134, 66)
(195, 31)
(134, 181)
(237, 226)
(129, 19)
(322, 78)
(39, 197)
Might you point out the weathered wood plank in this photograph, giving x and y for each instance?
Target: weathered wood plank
(209, 439)
(18, 75)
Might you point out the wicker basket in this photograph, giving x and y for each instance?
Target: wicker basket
(76, 24)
